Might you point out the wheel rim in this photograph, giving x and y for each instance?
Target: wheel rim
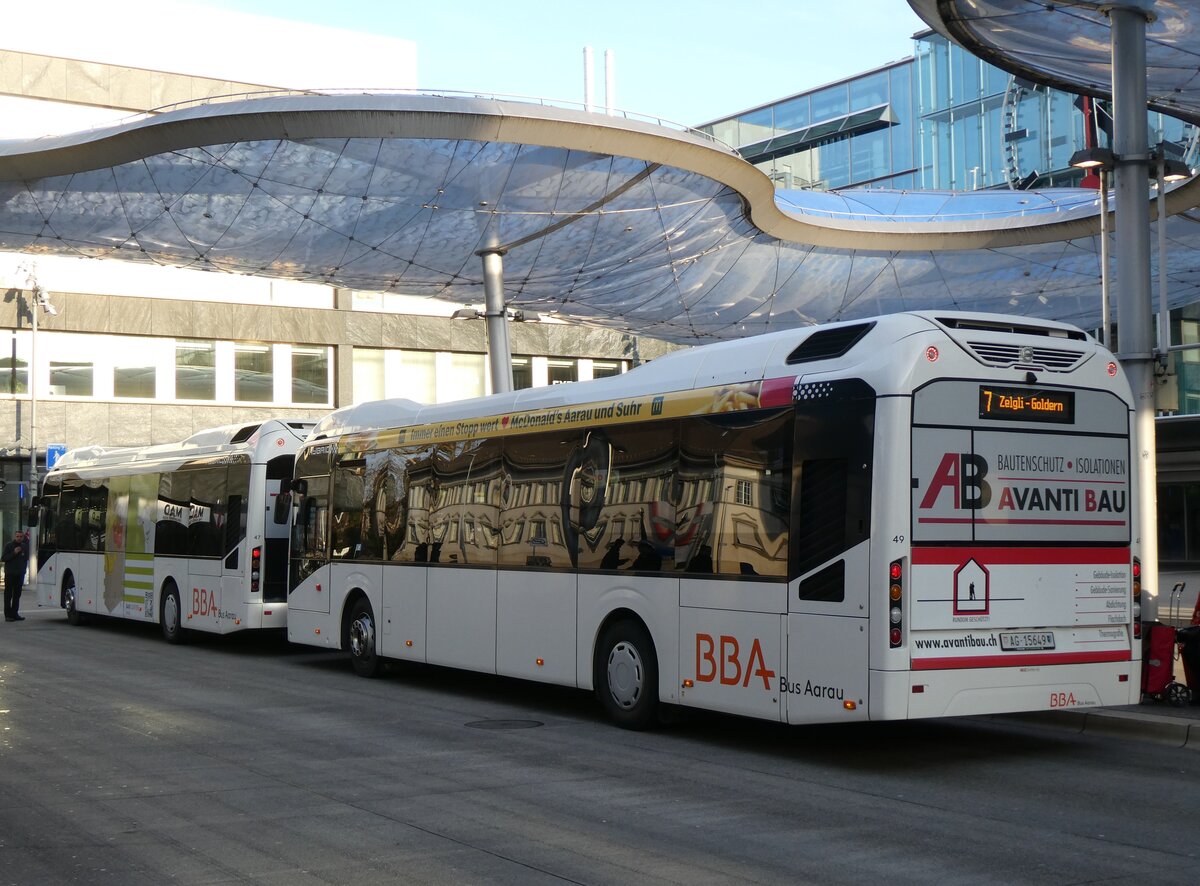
(626, 675)
(69, 598)
(362, 636)
(171, 613)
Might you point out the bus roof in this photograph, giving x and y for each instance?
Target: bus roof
(242, 437)
(796, 350)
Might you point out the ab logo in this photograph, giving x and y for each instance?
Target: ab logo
(962, 473)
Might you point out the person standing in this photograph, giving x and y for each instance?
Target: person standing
(16, 560)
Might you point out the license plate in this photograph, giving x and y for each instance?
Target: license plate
(1027, 640)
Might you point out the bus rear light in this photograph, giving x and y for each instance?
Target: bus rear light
(255, 569)
(896, 603)
(1122, 678)
(918, 689)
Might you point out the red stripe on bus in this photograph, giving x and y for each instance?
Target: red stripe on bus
(776, 391)
(1016, 660)
(942, 556)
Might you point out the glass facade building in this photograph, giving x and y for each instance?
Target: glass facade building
(940, 120)
(854, 132)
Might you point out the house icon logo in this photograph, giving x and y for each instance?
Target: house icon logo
(972, 593)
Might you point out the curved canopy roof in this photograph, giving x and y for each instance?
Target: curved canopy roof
(602, 219)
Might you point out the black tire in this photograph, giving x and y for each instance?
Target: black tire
(170, 614)
(1178, 695)
(626, 674)
(361, 639)
(70, 602)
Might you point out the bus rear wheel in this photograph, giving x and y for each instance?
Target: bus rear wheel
(626, 674)
(360, 639)
(170, 615)
(70, 602)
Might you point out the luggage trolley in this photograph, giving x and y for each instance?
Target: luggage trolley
(1160, 647)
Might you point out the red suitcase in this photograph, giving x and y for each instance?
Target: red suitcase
(1158, 666)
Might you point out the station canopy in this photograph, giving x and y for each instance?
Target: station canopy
(608, 220)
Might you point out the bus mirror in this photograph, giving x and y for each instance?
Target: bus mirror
(300, 487)
(32, 518)
(283, 508)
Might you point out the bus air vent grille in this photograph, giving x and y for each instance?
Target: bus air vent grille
(826, 344)
(1026, 357)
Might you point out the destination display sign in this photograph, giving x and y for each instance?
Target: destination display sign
(1027, 404)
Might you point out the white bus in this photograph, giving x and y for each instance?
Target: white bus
(181, 534)
(920, 515)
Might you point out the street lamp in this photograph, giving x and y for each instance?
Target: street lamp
(41, 303)
(1104, 161)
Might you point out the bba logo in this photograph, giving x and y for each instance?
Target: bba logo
(962, 473)
(728, 665)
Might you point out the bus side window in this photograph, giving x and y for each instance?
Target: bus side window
(347, 506)
(68, 507)
(93, 522)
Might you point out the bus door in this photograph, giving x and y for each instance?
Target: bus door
(827, 674)
(235, 565)
(309, 587)
(273, 562)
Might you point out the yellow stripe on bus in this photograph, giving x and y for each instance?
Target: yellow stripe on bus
(702, 401)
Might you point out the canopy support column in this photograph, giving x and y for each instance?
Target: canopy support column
(499, 349)
(1135, 315)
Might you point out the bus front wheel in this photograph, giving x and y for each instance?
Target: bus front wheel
(360, 637)
(626, 674)
(171, 615)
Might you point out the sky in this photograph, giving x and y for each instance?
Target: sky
(683, 62)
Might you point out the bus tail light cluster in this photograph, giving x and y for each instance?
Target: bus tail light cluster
(1137, 598)
(255, 569)
(896, 604)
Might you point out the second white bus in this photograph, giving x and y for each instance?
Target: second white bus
(182, 535)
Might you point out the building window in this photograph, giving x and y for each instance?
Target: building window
(605, 368)
(310, 375)
(744, 493)
(522, 371)
(253, 379)
(368, 377)
(466, 377)
(195, 371)
(135, 381)
(135, 368)
(418, 377)
(562, 371)
(14, 364)
(71, 379)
